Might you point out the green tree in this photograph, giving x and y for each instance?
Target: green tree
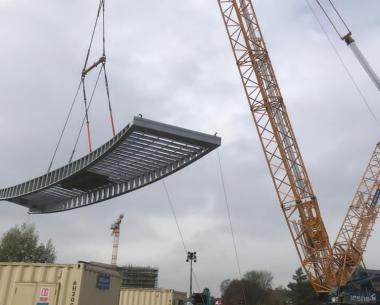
(21, 244)
(223, 285)
(301, 292)
(278, 296)
(263, 279)
(253, 289)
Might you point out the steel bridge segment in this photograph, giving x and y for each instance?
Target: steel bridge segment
(143, 152)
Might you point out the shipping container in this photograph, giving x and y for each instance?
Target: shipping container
(55, 284)
(147, 296)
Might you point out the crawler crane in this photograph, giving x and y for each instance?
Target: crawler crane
(328, 267)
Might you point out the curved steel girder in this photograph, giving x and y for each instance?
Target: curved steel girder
(142, 153)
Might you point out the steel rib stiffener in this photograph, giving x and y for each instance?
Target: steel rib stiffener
(143, 152)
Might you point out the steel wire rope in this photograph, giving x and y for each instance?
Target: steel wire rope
(339, 15)
(109, 100)
(101, 8)
(101, 3)
(180, 232)
(64, 127)
(351, 44)
(356, 85)
(86, 114)
(329, 18)
(84, 118)
(105, 72)
(104, 27)
(84, 72)
(228, 209)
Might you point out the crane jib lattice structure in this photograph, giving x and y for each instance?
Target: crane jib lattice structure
(115, 229)
(326, 266)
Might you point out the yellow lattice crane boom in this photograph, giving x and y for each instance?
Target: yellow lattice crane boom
(278, 141)
(358, 224)
(325, 265)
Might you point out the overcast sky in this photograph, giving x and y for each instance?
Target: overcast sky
(171, 61)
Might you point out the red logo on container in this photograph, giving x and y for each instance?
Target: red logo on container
(44, 295)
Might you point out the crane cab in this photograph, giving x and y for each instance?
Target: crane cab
(362, 289)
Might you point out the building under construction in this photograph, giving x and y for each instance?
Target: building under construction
(139, 277)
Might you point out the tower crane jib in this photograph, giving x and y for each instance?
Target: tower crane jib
(115, 229)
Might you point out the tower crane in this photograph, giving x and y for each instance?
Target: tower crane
(326, 266)
(115, 229)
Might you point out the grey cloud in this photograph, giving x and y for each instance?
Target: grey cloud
(172, 62)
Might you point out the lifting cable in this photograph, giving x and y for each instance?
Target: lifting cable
(228, 209)
(86, 69)
(105, 74)
(172, 209)
(330, 19)
(180, 231)
(347, 37)
(64, 127)
(233, 236)
(350, 75)
(84, 119)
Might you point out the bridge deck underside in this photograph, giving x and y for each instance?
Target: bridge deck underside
(142, 153)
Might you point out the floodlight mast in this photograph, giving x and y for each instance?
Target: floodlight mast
(191, 256)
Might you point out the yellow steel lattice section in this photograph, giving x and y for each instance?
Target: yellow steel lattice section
(285, 163)
(357, 226)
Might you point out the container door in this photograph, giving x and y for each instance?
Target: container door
(34, 294)
(24, 294)
(46, 294)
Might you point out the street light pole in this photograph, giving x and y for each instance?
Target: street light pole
(191, 277)
(191, 256)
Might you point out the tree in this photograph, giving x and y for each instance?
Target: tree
(262, 278)
(223, 285)
(253, 289)
(278, 296)
(21, 244)
(301, 292)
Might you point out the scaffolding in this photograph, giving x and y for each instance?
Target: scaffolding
(139, 277)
